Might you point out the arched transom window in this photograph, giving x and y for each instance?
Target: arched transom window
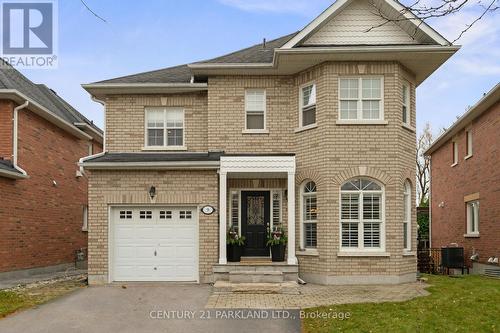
(361, 215)
(309, 215)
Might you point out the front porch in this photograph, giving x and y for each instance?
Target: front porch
(254, 210)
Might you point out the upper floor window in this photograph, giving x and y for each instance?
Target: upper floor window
(455, 153)
(406, 104)
(361, 98)
(473, 217)
(309, 215)
(308, 105)
(164, 127)
(468, 143)
(361, 215)
(255, 109)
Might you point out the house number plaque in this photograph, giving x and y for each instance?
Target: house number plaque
(208, 210)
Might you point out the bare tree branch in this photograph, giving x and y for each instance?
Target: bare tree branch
(94, 13)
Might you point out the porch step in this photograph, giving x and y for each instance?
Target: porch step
(256, 261)
(225, 287)
(253, 276)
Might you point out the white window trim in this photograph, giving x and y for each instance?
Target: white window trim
(469, 211)
(85, 225)
(468, 144)
(351, 251)
(407, 104)
(359, 120)
(303, 248)
(301, 107)
(165, 138)
(407, 218)
(246, 130)
(454, 147)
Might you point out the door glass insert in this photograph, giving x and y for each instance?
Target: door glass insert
(255, 210)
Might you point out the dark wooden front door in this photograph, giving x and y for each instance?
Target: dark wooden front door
(255, 218)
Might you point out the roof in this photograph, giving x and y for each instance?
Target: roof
(484, 104)
(7, 169)
(12, 79)
(177, 74)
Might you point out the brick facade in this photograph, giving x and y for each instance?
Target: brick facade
(479, 174)
(329, 154)
(41, 223)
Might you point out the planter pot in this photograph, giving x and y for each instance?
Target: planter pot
(278, 252)
(234, 253)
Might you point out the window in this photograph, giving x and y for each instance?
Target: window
(165, 214)
(407, 216)
(125, 214)
(308, 105)
(473, 217)
(276, 208)
(85, 225)
(361, 215)
(309, 215)
(185, 214)
(406, 104)
(468, 144)
(455, 153)
(235, 213)
(91, 149)
(255, 108)
(361, 99)
(145, 214)
(164, 127)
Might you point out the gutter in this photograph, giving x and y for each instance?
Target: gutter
(15, 122)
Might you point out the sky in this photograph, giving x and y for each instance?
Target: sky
(152, 34)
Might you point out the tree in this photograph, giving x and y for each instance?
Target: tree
(424, 141)
(425, 10)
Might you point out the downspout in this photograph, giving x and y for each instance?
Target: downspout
(430, 202)
(14, 137)
(104, 132)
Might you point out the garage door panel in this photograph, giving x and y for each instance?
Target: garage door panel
(170, 232)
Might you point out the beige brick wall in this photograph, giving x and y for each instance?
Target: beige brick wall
(108, 188)
(329, 154)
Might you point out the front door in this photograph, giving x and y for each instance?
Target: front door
(255, 218)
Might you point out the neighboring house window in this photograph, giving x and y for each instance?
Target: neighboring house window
(164, 127)
(455, 152)
(85, 225)
(406, 104)
(361, 98)
(91, 149)
(255, 109)
(309, 214)
(407, 216)
(361, 215)
(468, 143)
(473, 217)
(308, 105)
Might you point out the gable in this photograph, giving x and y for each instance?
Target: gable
(350, 26)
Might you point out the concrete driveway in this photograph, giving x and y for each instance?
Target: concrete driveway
(145, 308)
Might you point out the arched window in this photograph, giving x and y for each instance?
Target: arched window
(362, 215)
(407, 216)
(309, 215)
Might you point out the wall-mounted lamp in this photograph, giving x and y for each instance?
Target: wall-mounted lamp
(152, 192)
(441, 204)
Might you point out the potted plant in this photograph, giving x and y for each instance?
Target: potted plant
(277, 241)
(234, 245)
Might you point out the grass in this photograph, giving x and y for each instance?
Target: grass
(460, 304)
(23, 298)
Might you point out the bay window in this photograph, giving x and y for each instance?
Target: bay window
(309, 215)
(360, 98)
(308, 105)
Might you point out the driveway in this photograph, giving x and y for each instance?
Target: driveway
(144, 308)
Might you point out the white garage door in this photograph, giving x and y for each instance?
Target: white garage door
(155, 244)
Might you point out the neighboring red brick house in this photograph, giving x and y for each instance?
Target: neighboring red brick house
(43, 196)
(465, 183)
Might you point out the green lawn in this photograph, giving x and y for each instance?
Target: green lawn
(12, 301)
(461, 304)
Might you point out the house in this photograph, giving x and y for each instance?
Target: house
(43, 196)
(313, 132)
(465, 184)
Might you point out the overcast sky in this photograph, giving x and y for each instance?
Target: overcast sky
(151, 34)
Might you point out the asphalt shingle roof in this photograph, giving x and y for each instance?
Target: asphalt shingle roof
(182, 73)
(155, 157)
(11, 78)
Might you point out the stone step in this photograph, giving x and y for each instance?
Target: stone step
(256, 276)
(226, 287)
(233, 267)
